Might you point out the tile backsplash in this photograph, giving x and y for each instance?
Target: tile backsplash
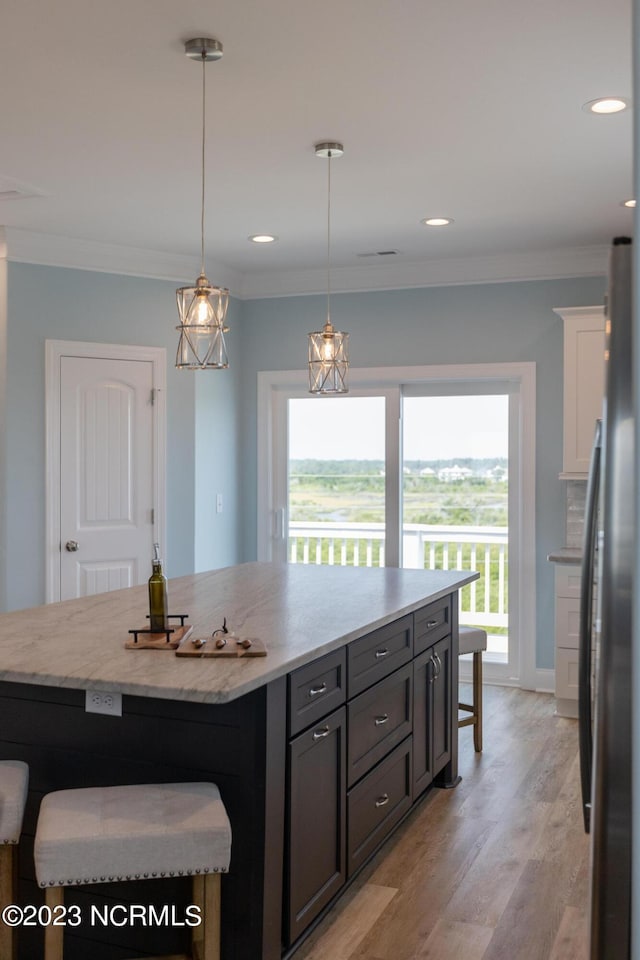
(576, 495)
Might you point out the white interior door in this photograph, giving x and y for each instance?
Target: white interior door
(106, 474)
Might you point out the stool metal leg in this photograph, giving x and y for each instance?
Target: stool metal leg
(8, 869)
(53, 944)
(477, 701)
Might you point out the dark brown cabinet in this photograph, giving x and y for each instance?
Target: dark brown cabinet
(370, 728)
(317, 820)
(432, 713)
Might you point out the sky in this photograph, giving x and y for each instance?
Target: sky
(435, 428)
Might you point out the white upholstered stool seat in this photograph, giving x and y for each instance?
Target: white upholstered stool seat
(473, 640)
(102, 834)
(14, 784)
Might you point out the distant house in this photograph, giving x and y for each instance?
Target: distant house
(497, 474)
(454, 473)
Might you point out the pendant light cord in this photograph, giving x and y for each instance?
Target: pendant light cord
(204, 60)
(329, 239)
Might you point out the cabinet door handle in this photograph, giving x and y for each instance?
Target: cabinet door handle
(432, 623)
(314, 691)
(383, 800)
(381, 653)
(321, 733)
(438, 664)
(381, 719)
(433, 669)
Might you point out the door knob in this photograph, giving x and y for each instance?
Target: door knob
(71, 546)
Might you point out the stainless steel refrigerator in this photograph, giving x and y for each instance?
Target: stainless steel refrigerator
(605, 708)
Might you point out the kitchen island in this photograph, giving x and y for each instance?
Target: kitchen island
(319, 749)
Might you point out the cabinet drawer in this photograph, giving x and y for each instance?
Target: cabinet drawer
(567, 622)
(376, 804)
(377, 721)
(567, 674)
(432, 623)
(379, 653)
(316, 689)
(568, 576)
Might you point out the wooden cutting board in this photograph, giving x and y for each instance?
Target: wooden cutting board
(158, 641)
(232, 649)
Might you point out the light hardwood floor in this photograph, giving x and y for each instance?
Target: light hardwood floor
(496, 869)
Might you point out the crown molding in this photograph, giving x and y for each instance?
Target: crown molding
(540, 265)
(26, 246)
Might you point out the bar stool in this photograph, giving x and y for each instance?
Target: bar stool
(104, 834)
(473, 640)
(14, 782)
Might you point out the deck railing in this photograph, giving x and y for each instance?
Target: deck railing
(425, 547)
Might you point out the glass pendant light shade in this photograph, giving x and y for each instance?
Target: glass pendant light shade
(328, 360)
(328, 348)
(202, 311)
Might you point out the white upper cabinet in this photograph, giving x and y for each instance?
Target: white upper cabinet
(583, 385)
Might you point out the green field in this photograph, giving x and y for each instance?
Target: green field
(352, 491)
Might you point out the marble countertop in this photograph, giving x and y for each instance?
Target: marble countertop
(300, 612)
(566, 555)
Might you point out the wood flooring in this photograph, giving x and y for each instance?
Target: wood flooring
(496, 869)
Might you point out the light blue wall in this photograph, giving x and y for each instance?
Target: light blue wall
(60, 304)
(212, 418)
(462, 324)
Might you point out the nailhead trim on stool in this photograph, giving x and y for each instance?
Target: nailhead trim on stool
(14, 784)
(129, 832)
(473, 640)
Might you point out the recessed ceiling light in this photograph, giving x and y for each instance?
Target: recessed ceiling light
(437, 221)
(606, 105)
(628, 203)
(263, 238)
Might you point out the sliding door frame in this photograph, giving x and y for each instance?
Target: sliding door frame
(276, 387)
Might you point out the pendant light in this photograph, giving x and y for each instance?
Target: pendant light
(202, 309)
(328, 348)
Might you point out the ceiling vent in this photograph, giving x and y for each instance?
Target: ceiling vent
(380, 253)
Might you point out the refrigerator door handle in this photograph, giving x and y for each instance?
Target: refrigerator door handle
(586, 627)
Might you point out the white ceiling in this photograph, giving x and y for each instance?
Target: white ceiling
(456, 108)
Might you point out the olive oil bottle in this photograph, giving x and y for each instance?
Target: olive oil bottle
(157, 595)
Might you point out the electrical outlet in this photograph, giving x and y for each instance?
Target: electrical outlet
(101, 701)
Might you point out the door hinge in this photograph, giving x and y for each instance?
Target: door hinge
(153, 516)
(153, 396)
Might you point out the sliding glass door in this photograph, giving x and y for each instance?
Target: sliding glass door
(425, 473)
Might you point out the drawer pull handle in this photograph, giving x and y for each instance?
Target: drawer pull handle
(383, 800)
(321, 733)
(381, 653)
(381, 719)
(315, 691)
(432, 623)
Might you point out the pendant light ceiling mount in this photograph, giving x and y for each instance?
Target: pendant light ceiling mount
(202, 309)
(329, 149)
(204, 48)
(328, 348)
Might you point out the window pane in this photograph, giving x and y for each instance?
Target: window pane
(455, 500)
(336, 480)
